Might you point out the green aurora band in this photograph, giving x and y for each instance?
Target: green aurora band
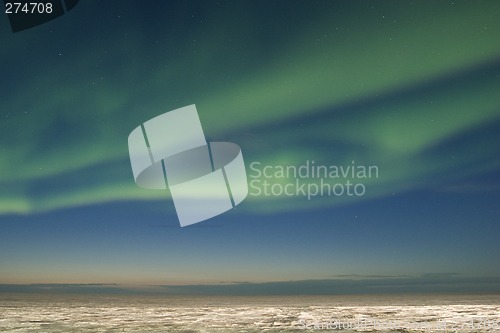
(398, 86)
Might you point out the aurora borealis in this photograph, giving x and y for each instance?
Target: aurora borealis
(409, 86)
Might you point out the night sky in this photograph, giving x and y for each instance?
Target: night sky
(412, 87)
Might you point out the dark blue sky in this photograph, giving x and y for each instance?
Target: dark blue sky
(411, 88)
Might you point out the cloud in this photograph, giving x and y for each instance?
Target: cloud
(360, 276)
(360, 284)
(448, 283)
(91, 288)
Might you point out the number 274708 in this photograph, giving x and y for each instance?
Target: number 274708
(28, 8)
